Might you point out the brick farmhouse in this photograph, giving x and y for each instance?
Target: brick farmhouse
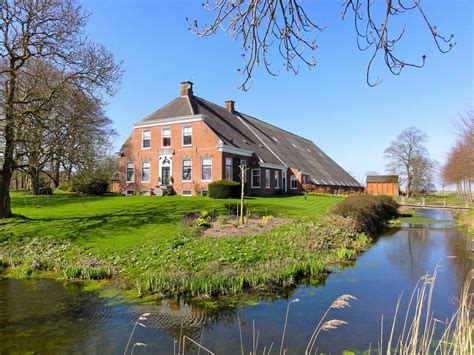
(191, 142)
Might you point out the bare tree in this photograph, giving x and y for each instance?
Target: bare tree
(287, 27)
(459, 168)
(50, 31)
(408, 156)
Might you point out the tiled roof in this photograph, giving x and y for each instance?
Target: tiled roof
(382, 178)
(271, 144)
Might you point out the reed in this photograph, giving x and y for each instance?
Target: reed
(417, 335)
(420, 326)
(87, 272)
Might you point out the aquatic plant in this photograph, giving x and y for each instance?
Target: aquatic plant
(139, 322)
(419, 324)
(87, 272)
(338, 303)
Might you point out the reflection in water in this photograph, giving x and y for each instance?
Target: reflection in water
(52, 317)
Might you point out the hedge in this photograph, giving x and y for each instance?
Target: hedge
(224, 189)
(90, 185)
(370, 212)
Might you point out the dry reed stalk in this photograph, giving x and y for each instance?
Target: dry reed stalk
(419, 325)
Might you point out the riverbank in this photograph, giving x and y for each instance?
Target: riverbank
(154, 246)
(63, 316)
(466, 220)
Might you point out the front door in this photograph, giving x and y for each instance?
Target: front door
(283, 181)
(165, 169)
(165, 175)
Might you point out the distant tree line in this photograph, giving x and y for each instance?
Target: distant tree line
(459, 167)
(53, 81)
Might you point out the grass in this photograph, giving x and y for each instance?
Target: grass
(466, 220)
(123, 222)
(437, 199)
(139, 239)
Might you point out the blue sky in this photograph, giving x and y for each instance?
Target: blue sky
(330, 104)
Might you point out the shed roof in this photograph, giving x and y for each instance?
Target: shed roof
(382, 178)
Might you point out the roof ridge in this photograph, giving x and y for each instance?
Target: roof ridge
(255, 118)
(281, 129)
(162, 107)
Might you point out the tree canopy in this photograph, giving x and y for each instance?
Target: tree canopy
(407, 156)
(45, 62)
(286, 27)
(459, 167)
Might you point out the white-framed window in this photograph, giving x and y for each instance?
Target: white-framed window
(146, 171)
(229, 169)
(187, 169)
(130, 171)
(206, 169)
(187, 136)
(256, 179)
(277, 179)
(293, 182)
(166, 137)
(146, 139)
(186, 193)
(204, 192)
(267, 178)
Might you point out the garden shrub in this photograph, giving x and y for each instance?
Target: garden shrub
(91, 185)
(66, 186)
(43, 188)
(224, 189)
(370, 212)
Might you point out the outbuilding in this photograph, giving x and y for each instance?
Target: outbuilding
(382, 185)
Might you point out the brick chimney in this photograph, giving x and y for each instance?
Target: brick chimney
(230, 105)
(186, 88)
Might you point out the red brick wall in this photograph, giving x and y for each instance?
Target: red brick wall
(295, 172)
(204, 143)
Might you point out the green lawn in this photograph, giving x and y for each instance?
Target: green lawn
(141, 241)
(124, 221)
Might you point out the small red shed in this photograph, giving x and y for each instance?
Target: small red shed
(382, 185)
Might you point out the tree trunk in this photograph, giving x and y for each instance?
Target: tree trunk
(35, 182)
(409, 182)
(5, 206)
(56, 173)
(242, 193)
(8, 157)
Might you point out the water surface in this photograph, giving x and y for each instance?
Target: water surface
(47, 316)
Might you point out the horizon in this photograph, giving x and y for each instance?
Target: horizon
(336, 120)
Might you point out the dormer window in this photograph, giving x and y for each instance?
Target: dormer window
(146, 139)
(166, 137)
(187, 136)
